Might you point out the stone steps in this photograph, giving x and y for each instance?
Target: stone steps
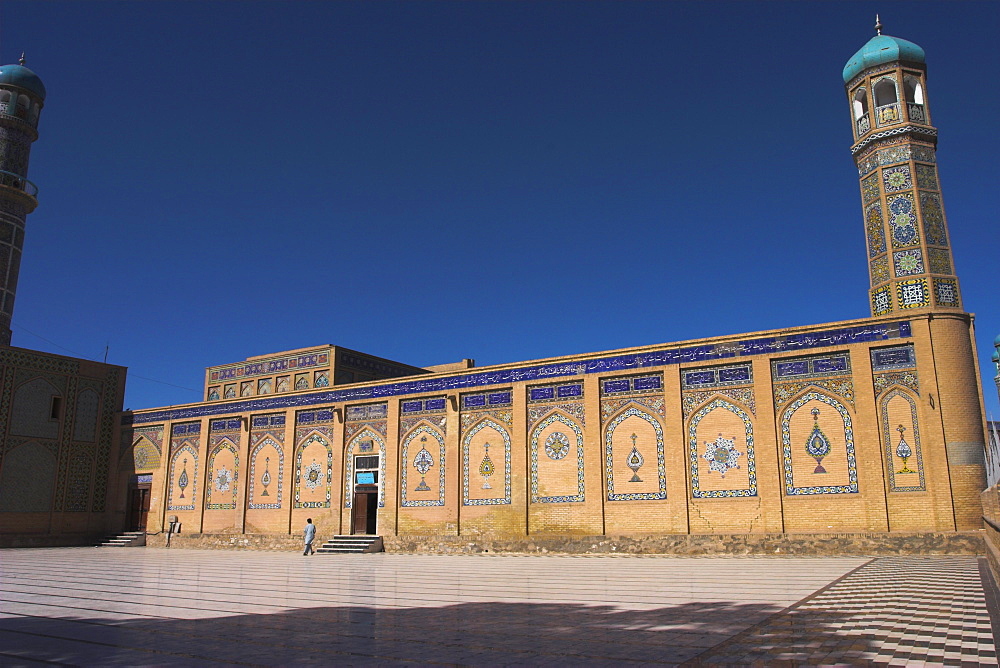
(351, 545)
(125, 539)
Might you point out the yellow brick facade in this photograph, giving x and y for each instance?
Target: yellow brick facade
(809, 438)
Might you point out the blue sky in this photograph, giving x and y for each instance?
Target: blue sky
(433, 181)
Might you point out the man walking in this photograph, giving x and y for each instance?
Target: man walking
(310, 534)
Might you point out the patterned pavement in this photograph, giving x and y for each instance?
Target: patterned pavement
(145, 606)
(893, 611)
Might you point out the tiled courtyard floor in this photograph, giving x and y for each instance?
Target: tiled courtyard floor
(142, 606)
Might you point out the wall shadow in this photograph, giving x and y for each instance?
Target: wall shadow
(460, 634)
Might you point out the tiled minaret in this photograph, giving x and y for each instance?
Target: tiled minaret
(909, 258)
(21, 98)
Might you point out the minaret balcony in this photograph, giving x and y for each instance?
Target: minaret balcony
(887, 114)
(19, 183)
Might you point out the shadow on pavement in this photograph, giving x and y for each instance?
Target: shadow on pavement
(468, 633)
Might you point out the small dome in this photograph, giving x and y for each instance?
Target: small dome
(996, 357)
(996, 341)
(21, 76)
(882, 49)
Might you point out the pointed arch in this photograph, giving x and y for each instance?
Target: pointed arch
(366, 434)
(178, 496)
(839, 448)
(557, 449)
(467, 442)
(722, 447)
(265, 499)
(34, 409)
(614, 457)
(313, 475)
(223, 480)
(904, 457)
(425, 430)
(145, 454)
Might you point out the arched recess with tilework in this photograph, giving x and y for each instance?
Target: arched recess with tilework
(313, 471)
(557, 461)
(356, 446)
(634, 460)
(721, 450)
(183, 490)
(422, 468)
(904, 458)
(817, 438)
(223, 476)
(486, 464)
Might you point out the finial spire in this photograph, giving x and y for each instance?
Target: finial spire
(21, 59)
(878, 25)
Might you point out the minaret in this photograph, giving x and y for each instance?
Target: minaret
(21, 98)
(909, 258)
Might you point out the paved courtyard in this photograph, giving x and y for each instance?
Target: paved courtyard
(142, 606)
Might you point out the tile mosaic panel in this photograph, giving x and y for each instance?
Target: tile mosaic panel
(901, 436)
(721, 455)
(270, 366)
(897, 357)
(617, 489)
(739, 374)
(631, 385)
(879, 270)
(924, 153)
(899, 153)
(895, 179)
(367, 412)
(881, 300)
(818, 447)
(841, 387)
(541, 410)
(318, 473)
(913, 293)
(417, 455)
(870, 189)
(105, 439)
(874, 229)
(78, 482)
(902, 221)
(946, 292)
(691, 400)
(838, 364)
(875, 331)
(888, 379)
(266, 480)
(908, 262)
(540, 393)
(223, 480)
(183, 476)
(321, 416)
(485, 468)
(933, 215)
(939, 261)
(926, 177)
(557, 447)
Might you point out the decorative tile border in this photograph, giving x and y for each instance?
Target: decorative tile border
(322, 439)
(280, 363)
(655, 358)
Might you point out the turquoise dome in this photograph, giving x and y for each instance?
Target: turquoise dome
(996, 341)
(996, 357)
(882, 49)
(22, 77)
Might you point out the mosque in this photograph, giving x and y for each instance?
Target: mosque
(868, 426)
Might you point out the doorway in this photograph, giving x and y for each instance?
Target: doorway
(366, 484)
(138, 508)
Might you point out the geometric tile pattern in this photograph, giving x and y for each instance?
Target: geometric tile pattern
(429, 435)
(852, 470)
(904, 450)
(893, 611)
(574, 428)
